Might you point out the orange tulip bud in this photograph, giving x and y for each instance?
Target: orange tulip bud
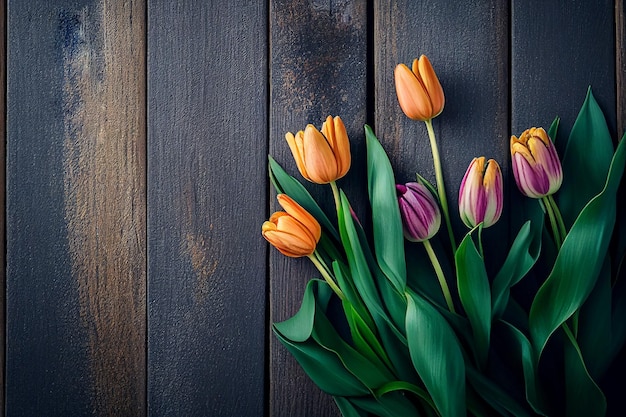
(418, 89)
(321, 157)
(294, 232)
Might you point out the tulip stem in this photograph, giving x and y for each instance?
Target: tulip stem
(553, 223)
(327, 277)
(333, 185)
(440, 185)
(559, 217)
(440, 276)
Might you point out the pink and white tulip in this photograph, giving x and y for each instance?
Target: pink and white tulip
(481, 193)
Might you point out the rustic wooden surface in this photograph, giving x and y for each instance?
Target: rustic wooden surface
(137, 134)
(207, 193)
(76, 247)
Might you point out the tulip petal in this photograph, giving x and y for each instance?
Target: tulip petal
(412, 95)
(318, 157)
(300, 214)
(295, 143)
(432, 84)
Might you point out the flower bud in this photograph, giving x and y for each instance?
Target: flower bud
(419, 210)
(536, 165)
(418, 89)
(321, 157)
(481, 193)
(294, 232)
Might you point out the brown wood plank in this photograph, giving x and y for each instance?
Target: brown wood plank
(467, 45)
(76, 208)
(318, 68)
(207, 189)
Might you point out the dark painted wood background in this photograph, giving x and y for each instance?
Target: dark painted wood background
(137, 133)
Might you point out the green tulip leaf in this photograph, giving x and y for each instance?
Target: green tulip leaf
(523, 349)
(583, 396)
(522, 256)
(475, 295)
(386, 221)
(494, 395)
(436, 355)
(286, 184)
(579, 261)
(586, 160)
(299, 327)
(594, 324)
(348, 409)
(363, 337)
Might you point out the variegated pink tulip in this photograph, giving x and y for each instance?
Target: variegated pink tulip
(481, 193)
(536, 165)
(419, 210)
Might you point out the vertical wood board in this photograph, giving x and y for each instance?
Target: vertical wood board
(76, 237)
(467, 45)
(318, 68)
(207, 187)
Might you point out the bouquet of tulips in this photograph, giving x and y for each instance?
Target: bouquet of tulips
(408, 322)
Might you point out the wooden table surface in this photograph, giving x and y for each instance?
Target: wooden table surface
(137, 134)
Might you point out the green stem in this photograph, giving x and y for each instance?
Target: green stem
(440, 276)
(559, 217)
(553, 223)
(329, 279)
(480, 242)
(333, 185)
(440, 185)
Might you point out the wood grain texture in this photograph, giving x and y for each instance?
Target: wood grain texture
(318, 68)
(3, 62)
(559, 49)
(620, 66)
(76, 240)
(467, 45)
(207, 189)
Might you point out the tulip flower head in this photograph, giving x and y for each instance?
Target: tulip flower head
(481, 193)
(419, 210)
(418, 89)
(321, 157)
(536, 165)
(294, 232)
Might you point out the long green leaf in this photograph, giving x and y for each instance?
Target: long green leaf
(299, 327)
(583, 396)
(494, 395)
(386, 221)
(522, 256)
(436, 355)
(285, 183)
(586, 160)
(579, 260)
(475, 295)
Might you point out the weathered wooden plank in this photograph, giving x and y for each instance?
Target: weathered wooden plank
(318, 68)
(3, 62)
(467, 45)
(558, 49)
(620, 65)
(76, 208)
(207, 186)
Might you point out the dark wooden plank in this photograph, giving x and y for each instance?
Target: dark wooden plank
(467, 45)
(207, 189)
(3, 62)
(318, 68)
(620, 65)
(558, 49)
(76, 208)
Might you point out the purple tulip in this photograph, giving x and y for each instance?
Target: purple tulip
(419, 210)
(481, 193)
(536, 165)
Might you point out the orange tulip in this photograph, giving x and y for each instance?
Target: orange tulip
(321, 157)
(419, 92)
(294, 232)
